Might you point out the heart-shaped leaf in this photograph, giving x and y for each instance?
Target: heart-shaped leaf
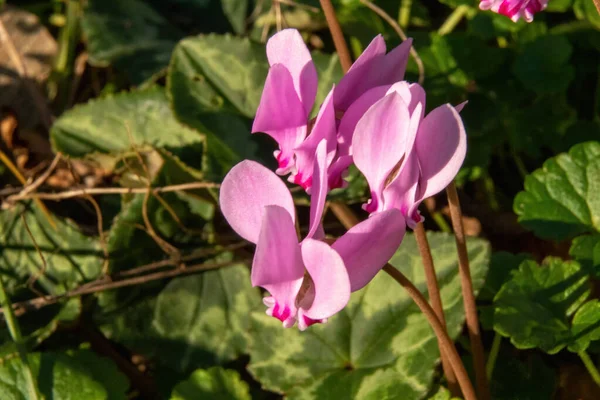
(212, 383)
(379, 346)
(117, 123)
(64, 376)
(196, 321)
(69, 256)
(534, 308)
(585, 326)
(561, 199)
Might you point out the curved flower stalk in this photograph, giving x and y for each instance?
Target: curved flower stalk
(515, 9)
(309, 280)
(404, 155)
(289, 95)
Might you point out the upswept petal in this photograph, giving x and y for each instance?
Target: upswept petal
(392, 67)
(281, 115)
(287, 48)
(353, 114)
(459, 107)
(357, 80)
(277, 264)
(319, 189)
(368, 246)
(324, 129)
(245, 192)
(441, 146)
(402, 192)
(379, 142)
(329, 277)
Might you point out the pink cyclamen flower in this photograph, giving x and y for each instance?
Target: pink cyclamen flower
(515, 9)
(308, 281)
(289, 95)
(404, 155)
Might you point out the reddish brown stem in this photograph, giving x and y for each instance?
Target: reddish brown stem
(436, 302)
(443, 338)
(467, 291)
(341, 47)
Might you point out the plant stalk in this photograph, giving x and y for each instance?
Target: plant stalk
(15, 333)
(336, 33)
(435, 299)
(453, 20)
(440, 332)
(467, 292)
(589, 365)
(405, 9)
(491, 362)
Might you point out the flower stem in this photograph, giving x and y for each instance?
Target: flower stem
(589, 365)
(453, 20)
(405, 9)
(597, 4)
(336, 33)
(467, 292)
(440, 332)
(436, 301)
(15, 333)
(491, 362)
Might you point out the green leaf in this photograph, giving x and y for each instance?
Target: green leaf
(586, 250)
(379, 346)
(65, 376)
(586, 10)
(535, 306)
(129, 33)
(236, 11)
(70, 256)
(543, 66)
(585, 326)
(196, 321)
(559, 6)
(212, 383)
(110, 124)
(226, 72)
(501, 266)
(560, 200)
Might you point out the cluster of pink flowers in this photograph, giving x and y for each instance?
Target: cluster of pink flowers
(371, 118)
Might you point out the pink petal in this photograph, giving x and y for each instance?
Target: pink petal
(393, 66)
(441, 146)
(413, 95)
(281, 115)
(401, 193)
(324, 129)
(287, 48)
(357, 81)
(337, 172)
(353, 114)
(460, 106)
(246, 190)
(373, 68)
(329, 277)
(379, 143)
(368, 246)
(277, 264)
(319, 188)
